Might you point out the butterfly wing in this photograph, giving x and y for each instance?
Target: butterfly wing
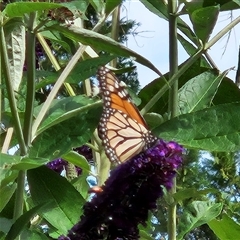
(123, 130)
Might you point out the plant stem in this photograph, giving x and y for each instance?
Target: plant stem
(18, 206)
(173, 105)
(11, 97)
(31, 79)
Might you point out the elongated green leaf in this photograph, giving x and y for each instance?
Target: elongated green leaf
(103, 43)
(29, 163)
(7, 161)
(6, 193)
(21, 222)
(82, 185)
(5, 225)
(191, 50)
(66, 108)
(15, 42)
(153, 87)
(193, 193)
(81, 71)
(161, 9)
(204, 20)
(225, 228)
(78, 8)
(213, 129)
(62, 137)
(157, 7)
(57, 38)
(199, 91)
(227, 92)
(65, 202)
(77, 159)
(196, 214)
(98, 5)
(145, 235)
(18, 9)
(110, 5)
(230, 5)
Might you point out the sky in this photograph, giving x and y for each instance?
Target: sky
(152, 41)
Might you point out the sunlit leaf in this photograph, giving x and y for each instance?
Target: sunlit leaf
(64, 109)
(214, 129)
(6, 193)
(199, 91)
(18, 9)
(204, 20)
(101, 42)
(110, 5)
(65, 130)
(64, 201)
(21, 222)
(196, 214)
(15, 43)
(77, 159)
(225, 228)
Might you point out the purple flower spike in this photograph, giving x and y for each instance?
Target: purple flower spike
(57, 165)
(128, 194)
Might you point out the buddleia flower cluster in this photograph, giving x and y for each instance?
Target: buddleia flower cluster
(128, 194)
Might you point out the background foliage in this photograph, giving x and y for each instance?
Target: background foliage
(50, 53)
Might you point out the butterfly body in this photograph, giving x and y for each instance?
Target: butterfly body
(123, 130)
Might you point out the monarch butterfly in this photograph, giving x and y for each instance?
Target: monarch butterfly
(122, 129)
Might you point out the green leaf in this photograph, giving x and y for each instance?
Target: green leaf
(213, 129)
(199, 91)
(110, 5)
(21, 222)
(98, 5)
(16, 54)
(204, 20)
(102, 43)
(81, 71)
(193, 193)
(7, 161)
(77, 159)
(6, 193)
(196, 214)
(191, 50)
(65, 202)
(230, 5)
(82, 185)
(152, 88)
(161, 9)
(145, 236)
(228, 92)
(157, 7)
(57, 38)
(226, 228)
(66, 108)
(29, 163)
(5, 225)
(67, 134)
(78, 8)
(18, 9)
